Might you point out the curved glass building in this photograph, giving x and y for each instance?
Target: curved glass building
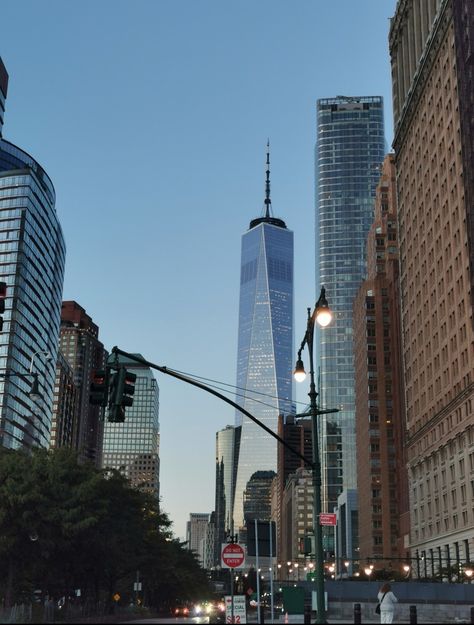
(265, 344)
(32, 256)
(349, 153)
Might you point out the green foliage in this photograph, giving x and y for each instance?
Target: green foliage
(65, 525)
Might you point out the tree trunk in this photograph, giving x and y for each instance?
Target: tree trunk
(9, 587)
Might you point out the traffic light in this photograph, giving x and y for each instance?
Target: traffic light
(99, 389)
(122, 388)
(306, 545)
(3, 294)
(126, 387)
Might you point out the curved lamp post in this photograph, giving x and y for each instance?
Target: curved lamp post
(35, 392)
(322, 315)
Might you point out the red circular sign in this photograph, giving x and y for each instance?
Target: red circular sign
(233, 555)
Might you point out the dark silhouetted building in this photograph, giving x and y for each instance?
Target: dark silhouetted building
(85, 354)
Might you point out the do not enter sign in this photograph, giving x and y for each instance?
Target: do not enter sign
(232, 556)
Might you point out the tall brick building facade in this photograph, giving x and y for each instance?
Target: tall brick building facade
(431, 45)
(380, 420)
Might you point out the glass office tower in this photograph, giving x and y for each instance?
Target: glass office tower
(32, 255)
(227, 451)
(265, 344)
(349, 153)
(133, 447)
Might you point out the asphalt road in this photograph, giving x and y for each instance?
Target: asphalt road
(197, 620)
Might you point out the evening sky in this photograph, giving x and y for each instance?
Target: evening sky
(152, 117)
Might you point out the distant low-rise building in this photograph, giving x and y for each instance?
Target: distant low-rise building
(297, 516)
(197, 533)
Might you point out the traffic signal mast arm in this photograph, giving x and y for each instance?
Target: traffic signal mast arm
(175, 374)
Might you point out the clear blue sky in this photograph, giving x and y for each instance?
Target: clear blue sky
(151, 117)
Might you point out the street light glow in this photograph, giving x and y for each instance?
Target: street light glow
(323, 312)
(299, 372)
(324, 317)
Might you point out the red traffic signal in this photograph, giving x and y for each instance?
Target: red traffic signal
(121, 394)
(128, 388)
(99, 389)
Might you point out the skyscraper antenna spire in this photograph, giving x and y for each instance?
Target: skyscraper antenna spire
(268, 201)
(267, 218)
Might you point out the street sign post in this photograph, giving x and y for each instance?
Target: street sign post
(232, 556)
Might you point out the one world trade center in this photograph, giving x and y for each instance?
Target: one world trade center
(265, 344)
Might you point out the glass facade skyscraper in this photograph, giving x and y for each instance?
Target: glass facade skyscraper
(265, 344)
(133, 447)
(32, 256)
(227, 451)
(349, 153)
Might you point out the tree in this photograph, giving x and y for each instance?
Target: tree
(65, 525)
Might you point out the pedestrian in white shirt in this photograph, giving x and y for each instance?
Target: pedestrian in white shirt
(387, 601)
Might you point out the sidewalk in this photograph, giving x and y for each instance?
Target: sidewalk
(434, 617)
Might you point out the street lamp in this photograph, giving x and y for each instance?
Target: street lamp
(468, 572)
(323, 316)
(35, 392)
